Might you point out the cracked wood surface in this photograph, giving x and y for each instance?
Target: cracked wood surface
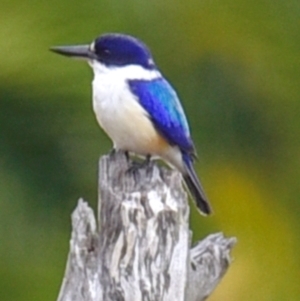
(139, 249)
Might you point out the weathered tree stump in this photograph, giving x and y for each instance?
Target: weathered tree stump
(140, 249)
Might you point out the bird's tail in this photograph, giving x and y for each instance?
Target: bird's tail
(195, 187)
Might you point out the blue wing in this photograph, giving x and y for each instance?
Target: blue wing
(159, 99)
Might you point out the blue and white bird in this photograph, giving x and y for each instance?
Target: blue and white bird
(137, 107)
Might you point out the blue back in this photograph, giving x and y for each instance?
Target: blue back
(161, 102)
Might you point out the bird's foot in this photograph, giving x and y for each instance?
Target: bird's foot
(136, 166)
(126, 153)
(113, 152)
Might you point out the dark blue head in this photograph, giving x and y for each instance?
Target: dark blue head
(121, 50)
(112, 50)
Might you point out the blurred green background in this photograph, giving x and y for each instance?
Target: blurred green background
(235, 65)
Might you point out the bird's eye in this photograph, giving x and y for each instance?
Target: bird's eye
(100, 51)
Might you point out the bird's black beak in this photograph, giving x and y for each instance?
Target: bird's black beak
(78, 51)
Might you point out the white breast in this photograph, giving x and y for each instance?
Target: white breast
(120, 114)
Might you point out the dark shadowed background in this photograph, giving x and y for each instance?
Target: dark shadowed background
(235, 65)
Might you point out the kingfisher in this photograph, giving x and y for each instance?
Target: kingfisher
(137, 107)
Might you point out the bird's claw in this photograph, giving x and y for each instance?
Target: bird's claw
(113, 152)
(136, 166)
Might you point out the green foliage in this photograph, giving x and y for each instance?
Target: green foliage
(235, 65)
